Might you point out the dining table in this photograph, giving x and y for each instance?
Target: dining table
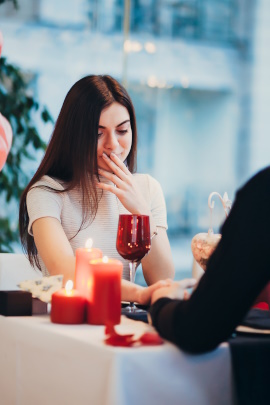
(45, 363)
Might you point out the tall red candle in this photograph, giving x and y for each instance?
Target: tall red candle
(104, 301)
(68, 306)
(82, 269)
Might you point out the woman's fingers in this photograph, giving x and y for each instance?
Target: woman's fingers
(146, 292)
(186, 295)
(119, 163)
(160, 284)
(116, 165)
(127, 190)
(112, 177)
(108, 187)
(169, 281)
(177, 290)
(187, 283)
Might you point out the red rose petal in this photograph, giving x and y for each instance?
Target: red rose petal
(150, 338)
(109, 330)
(120, 340)
(114, 339)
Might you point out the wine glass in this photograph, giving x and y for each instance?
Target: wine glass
(133, 242)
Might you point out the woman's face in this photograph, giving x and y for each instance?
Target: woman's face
(114, 133)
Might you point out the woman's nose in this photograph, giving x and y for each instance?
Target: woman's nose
(111, 141)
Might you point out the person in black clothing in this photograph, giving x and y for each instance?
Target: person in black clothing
(236, 272)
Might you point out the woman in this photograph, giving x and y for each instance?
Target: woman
(85, 180)
(235, 275)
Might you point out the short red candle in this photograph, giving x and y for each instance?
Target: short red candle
(104, 300)
(82, 276)
(68, 306)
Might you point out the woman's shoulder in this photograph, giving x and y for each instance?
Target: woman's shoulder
(50, 182)
(44, 199)
(147, 181)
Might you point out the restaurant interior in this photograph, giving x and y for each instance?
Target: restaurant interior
(197, 74)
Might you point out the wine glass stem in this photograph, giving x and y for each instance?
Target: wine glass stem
(132, 269)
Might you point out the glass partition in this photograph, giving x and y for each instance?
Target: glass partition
(191, 68)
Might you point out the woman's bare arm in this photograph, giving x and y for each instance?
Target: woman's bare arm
(54, 247)
(57, 255)
(158, 264)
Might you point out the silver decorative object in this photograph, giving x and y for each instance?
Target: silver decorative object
(204, 244)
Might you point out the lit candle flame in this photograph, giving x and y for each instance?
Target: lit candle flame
(105, 259)
(89, 243)
(69, 286)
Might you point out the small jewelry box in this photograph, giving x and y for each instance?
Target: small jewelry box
(15, 303)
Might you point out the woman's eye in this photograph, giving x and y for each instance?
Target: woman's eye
(122, 131)
(99, 134)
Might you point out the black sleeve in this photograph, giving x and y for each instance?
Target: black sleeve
(236, 273)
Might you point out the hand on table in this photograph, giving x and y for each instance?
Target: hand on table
(177, 290)
(126, 188)
(144, 294)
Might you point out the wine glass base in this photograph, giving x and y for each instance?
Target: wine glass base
(131, 309)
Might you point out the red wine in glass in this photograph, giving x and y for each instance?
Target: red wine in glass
(133, 242)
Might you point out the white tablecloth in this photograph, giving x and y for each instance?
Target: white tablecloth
(45, 364)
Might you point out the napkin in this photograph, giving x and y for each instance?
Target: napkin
(42, 288)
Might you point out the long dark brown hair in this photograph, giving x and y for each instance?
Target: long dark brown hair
(71, 155)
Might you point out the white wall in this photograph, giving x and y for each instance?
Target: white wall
(195, 140)
(260, 125)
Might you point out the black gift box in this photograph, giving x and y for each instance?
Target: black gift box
(15, 303)
(39, 307)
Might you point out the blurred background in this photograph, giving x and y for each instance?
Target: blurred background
(198, 74)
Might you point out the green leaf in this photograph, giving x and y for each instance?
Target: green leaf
(46, 116)
(20, 109)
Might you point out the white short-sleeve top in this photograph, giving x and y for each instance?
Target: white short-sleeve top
(67, 208)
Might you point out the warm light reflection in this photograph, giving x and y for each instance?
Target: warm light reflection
(89, 243)
(150, 47)
(132, 46)
(69, 286)
(105, 259)
(152, 81)
(161, 84)
(136, 46)
(185, 82)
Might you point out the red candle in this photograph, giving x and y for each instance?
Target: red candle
(68, 306)
(82, 269)
(104, 300)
